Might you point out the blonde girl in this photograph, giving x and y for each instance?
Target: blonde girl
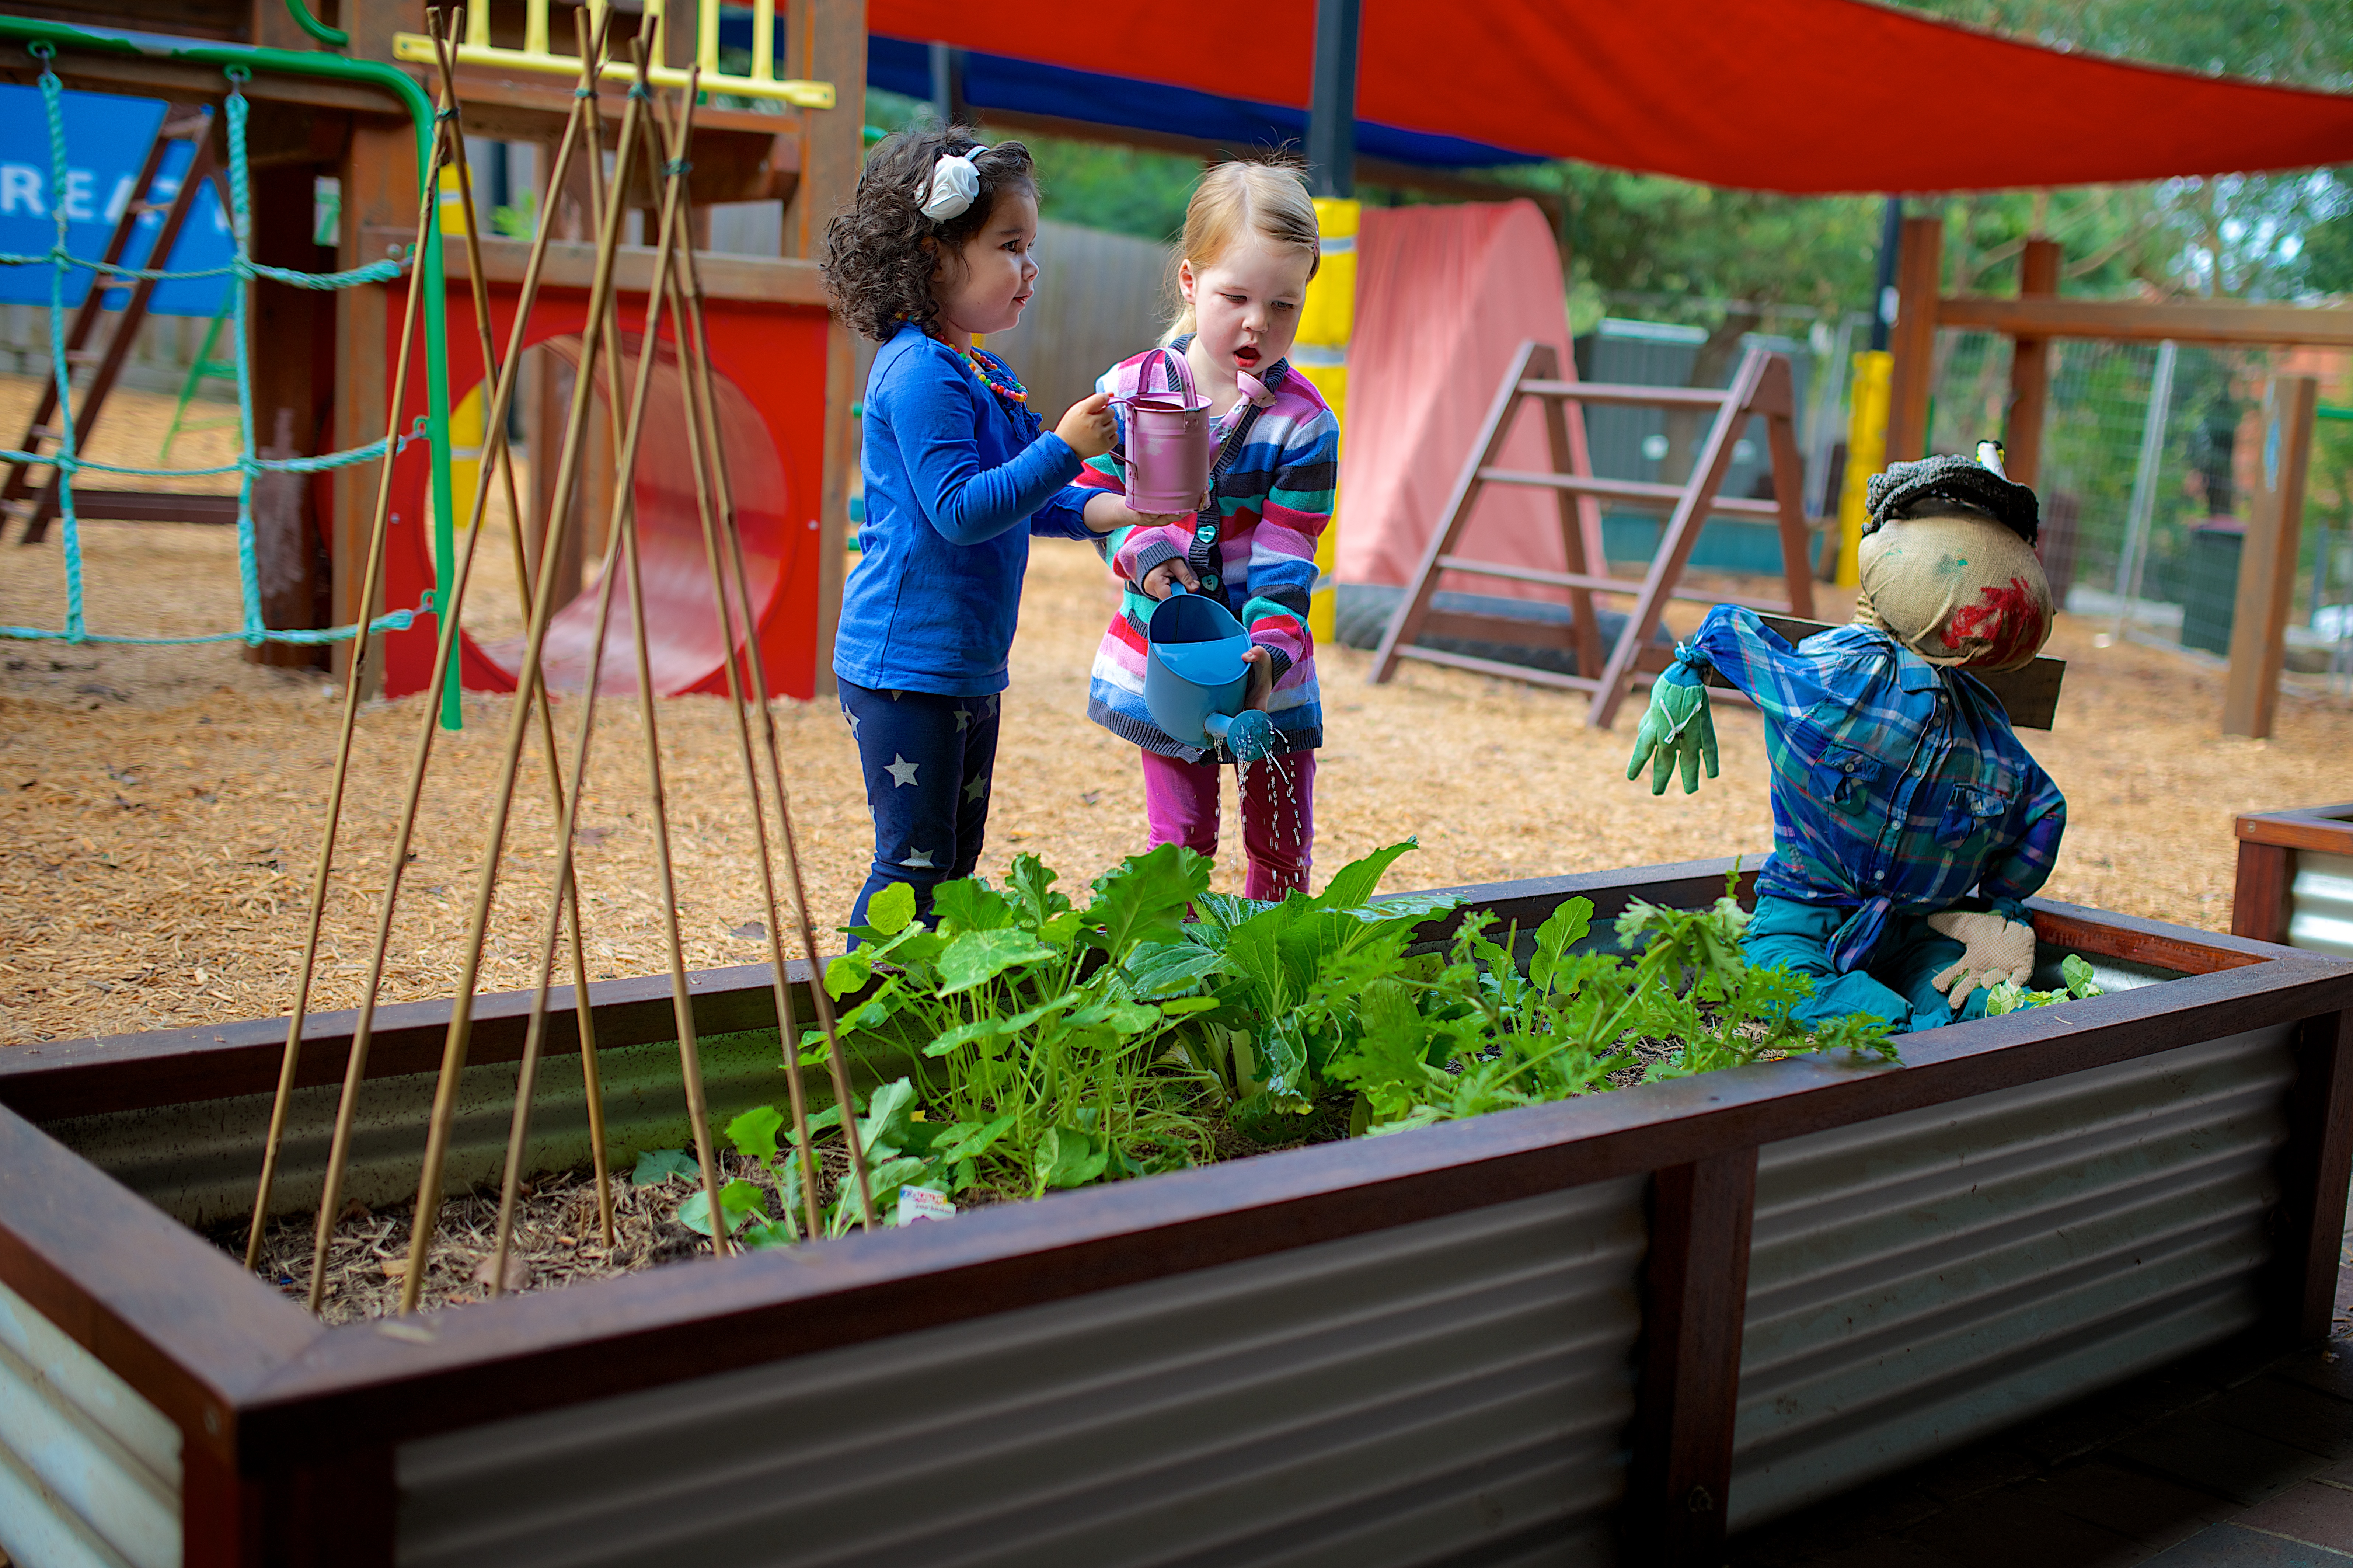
(1249, 248)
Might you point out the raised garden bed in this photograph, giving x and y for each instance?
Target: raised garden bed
(1667, 1310)
(2295, 878)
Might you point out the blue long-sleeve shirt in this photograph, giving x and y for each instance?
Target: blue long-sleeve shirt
(952, 476)
(1898, 786)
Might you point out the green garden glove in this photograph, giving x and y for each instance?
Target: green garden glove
(1677, 727)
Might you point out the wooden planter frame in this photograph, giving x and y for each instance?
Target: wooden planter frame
(290, 1428)
(2267, 845)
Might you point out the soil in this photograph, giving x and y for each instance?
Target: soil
(556, 1242)
(557, 1239)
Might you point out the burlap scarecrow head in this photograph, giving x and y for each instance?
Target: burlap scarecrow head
(1948, 563)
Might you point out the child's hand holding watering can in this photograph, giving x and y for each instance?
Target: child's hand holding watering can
(1174, 576)
(1170, 443)
(1089, 428)
(1107, 512)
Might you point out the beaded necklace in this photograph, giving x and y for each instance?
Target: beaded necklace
(980, 362)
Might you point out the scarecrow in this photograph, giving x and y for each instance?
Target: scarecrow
(1909, 825)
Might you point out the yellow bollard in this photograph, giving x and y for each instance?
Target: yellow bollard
(1866, 454)
(467, 428)
(1328, 319)
(452, 207)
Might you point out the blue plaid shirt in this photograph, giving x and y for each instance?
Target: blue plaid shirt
(1898, 786)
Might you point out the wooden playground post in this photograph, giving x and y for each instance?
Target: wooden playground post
(378, 182)
(2267, 561)
(831, 37)
(2029, 368)
(1919, 270)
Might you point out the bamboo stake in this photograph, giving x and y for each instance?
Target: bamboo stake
(453, 1058)
(567, 891)
(371, 583)
(820, 999)
(527, 1079)
(701, 440)
(681, 1001)
(445, 646)
(582, 1013)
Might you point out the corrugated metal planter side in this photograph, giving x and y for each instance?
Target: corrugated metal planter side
(1918, 1280)
(2295, 878)
(1390, 1399)
(196, 1161)
(89, 1471)
(2320, 903)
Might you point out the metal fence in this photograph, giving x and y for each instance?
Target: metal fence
(1660, 446)
(2148, 463)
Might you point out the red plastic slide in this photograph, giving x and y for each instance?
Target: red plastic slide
(769, 363)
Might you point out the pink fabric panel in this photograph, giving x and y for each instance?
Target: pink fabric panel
(1445, 296)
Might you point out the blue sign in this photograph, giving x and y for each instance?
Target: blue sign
(107, 139)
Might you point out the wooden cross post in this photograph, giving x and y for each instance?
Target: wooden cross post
(2268, 563)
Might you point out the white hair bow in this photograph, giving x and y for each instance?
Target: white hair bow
(955, 183)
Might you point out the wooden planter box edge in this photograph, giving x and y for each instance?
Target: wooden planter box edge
(260, 1389)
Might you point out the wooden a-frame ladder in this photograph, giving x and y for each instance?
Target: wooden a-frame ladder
(1761, 386)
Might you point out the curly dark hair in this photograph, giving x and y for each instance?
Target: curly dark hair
(881, 250)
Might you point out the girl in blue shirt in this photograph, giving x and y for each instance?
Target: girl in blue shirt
(933, 252)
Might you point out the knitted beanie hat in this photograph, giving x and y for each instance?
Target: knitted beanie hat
(1967, 481)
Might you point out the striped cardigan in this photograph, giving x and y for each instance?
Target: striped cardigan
(1273, 498)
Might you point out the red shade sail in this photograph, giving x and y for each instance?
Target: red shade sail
(1804, 95)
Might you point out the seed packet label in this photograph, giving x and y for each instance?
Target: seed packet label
(923, 1203)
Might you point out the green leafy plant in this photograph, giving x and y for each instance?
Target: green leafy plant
(1033, 1026)
(1284, 984)
(1028, 1044)
(656, 1167)
(2076, 984)
(1480, 1035)
(520, 221)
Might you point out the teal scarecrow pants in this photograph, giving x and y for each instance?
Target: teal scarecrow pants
(1897, 985)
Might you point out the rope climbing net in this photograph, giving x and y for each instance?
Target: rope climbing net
(241, 270)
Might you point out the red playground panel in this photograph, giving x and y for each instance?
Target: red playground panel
(768, 362)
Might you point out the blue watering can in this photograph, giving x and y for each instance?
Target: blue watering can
(1195, 677)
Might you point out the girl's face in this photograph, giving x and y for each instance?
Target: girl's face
(1246, 305)
(983, 289)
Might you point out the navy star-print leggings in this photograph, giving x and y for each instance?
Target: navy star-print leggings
(927, 761)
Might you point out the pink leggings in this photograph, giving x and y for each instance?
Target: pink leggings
(1278, 807)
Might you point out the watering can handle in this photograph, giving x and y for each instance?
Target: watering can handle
(1181, 374)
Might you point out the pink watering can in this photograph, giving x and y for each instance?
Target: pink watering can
(1170, 446)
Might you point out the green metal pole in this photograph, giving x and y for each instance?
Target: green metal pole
(333, 37)
(401, 85)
